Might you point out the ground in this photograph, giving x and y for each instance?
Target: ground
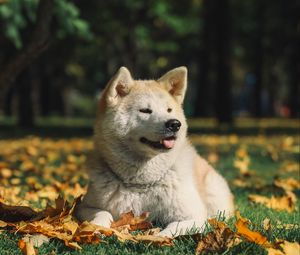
(34, 170)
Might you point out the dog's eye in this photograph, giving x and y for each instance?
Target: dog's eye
(146, 110)
(169, 109)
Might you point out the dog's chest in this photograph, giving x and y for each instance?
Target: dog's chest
(164, 201)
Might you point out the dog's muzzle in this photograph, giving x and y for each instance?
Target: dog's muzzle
(166, 143)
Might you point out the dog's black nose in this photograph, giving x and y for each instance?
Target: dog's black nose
(173, 125)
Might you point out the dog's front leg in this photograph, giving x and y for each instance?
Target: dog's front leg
(95, 216)
(177, 228)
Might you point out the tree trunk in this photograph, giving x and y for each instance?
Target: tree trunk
(294, 60)
(25, 106)
(223, 86)
(259, 59)
(38, 42)
(202, 103)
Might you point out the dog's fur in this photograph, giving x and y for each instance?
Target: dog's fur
(178, 187)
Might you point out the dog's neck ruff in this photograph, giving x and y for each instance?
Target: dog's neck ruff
(135, 185)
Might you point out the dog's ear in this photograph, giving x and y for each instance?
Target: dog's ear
(119, 86)
(175, 81)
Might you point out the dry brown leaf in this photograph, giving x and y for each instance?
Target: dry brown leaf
(286, 202)
(219, 240)
(252, 236)
(155, 240)
(132, 223)
(16, 213)
(288, 184)
(26, 247)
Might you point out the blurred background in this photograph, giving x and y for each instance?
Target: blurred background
(56, 56)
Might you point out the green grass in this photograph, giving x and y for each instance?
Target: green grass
(265, 168)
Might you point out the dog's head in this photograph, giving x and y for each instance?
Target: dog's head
(143, 116)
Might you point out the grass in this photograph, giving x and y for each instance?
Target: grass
(268, 156)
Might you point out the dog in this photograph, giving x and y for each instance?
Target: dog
(142, 160)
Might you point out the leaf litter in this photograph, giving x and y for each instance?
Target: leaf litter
(60, 166)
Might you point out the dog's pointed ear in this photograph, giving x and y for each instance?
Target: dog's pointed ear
(175, 81)
(119, 86)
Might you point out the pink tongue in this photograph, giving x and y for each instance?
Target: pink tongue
(169, 143)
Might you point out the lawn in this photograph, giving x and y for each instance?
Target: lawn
(35, 170)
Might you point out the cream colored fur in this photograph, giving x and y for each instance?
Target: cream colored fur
(179, 188)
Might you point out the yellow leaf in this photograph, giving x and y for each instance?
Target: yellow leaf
(26, 247)
(156, 240)
(286, 202)
(284, 248)
(290, 248)
(73, 245)
(241, 153)
(288, 184)
(3, 224)
(213, 158)
(252, 236)
(6, 172)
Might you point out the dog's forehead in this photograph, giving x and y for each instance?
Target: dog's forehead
(151, 88)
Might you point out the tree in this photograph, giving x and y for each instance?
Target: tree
(37, 44)
(17, 17)
(224, 98)
(205, 63)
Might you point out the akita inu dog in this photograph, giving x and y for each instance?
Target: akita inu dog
(142, 160)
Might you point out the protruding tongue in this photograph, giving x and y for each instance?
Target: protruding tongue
(168, 143)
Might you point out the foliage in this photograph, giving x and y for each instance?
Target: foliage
(17, 16)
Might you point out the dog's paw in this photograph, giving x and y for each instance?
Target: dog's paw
(166, 233)
(103, 219)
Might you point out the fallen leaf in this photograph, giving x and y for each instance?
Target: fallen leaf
(219, 240)
(290, 166)
(3, 224)
(250, 235)
(6, 172)
(286, 202)
(213, 157)
(132, 223)
(155, 240)
(16, 213)
(26, 247)
(73, 245)
(283, 247)
(290, 248)
(288, 184)
(240, 183)
(241, 153)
